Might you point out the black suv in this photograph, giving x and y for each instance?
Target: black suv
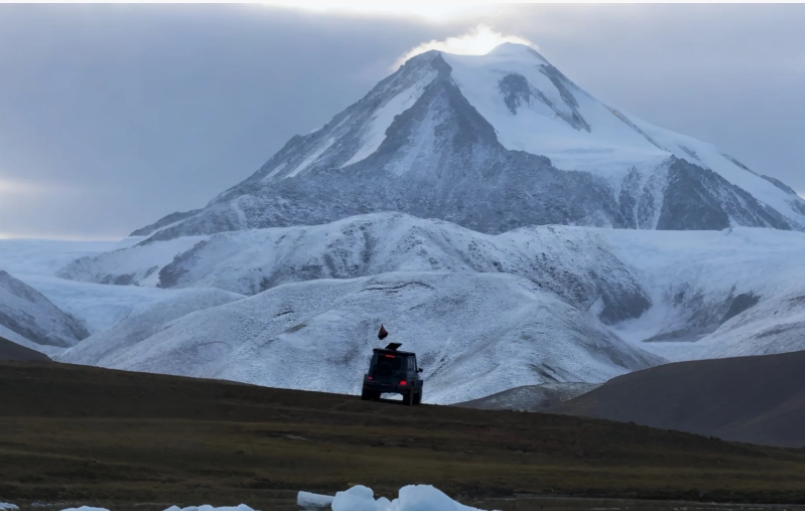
(392, 371)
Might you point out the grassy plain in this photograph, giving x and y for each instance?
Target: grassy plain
(82, 435)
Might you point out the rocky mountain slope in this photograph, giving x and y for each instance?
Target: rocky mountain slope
(493, 143)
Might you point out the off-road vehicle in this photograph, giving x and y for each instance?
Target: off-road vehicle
(393, 371)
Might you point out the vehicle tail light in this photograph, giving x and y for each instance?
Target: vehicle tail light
(369, 378)
(403, 382)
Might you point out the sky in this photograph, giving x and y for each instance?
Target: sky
(112, 116)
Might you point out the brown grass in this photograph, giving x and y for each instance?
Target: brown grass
(87, 435)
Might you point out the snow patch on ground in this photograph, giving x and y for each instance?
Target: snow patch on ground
(420, 497)
(207, 507)
(8, 507)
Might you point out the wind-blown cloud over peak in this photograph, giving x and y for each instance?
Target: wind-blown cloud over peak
(478, 41)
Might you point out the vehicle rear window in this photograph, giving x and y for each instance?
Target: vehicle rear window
(387, 365)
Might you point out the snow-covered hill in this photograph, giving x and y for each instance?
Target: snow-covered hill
(143, 322)
(30, 319)
(492, 143)
(677, 294)
(575, 264)
(475, 334)
(716, 294)
(97, 307)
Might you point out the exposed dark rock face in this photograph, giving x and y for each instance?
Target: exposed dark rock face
(699, 199)
(515, 90)
(739, 304)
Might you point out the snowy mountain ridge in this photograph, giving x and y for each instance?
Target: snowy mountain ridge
(492, 143)
(568, 303)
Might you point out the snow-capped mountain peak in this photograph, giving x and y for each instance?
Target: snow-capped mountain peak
(493, 142)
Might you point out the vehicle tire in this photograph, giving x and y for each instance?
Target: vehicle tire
(408, 398)
(367, 395)
(418, 398)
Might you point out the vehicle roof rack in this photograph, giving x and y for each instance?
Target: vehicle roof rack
(393, 346)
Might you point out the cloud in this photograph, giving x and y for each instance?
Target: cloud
(55, 235)
(10, 186)
(26, 189)
(478, 41)
(436, 12)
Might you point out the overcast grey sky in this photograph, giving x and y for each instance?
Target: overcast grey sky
(112, 116)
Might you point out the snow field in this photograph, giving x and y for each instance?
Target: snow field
(610, 145)
(689, 274)
(98, 307)
(475, 334)
(484, 312)
(145, 320)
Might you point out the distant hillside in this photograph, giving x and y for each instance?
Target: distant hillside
(28, 313)
(13, 351)
(757, 399)
(531, 398)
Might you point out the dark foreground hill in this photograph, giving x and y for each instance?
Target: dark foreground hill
(13, 351)
(83, 435)
(748, 399)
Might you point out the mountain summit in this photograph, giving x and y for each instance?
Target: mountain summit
(492, 143)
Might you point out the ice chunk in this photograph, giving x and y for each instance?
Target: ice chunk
(358, 498)
(207, 507)
(425, 498)
(411, 498)
(307, 500)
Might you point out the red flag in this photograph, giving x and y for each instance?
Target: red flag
(382, 334)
